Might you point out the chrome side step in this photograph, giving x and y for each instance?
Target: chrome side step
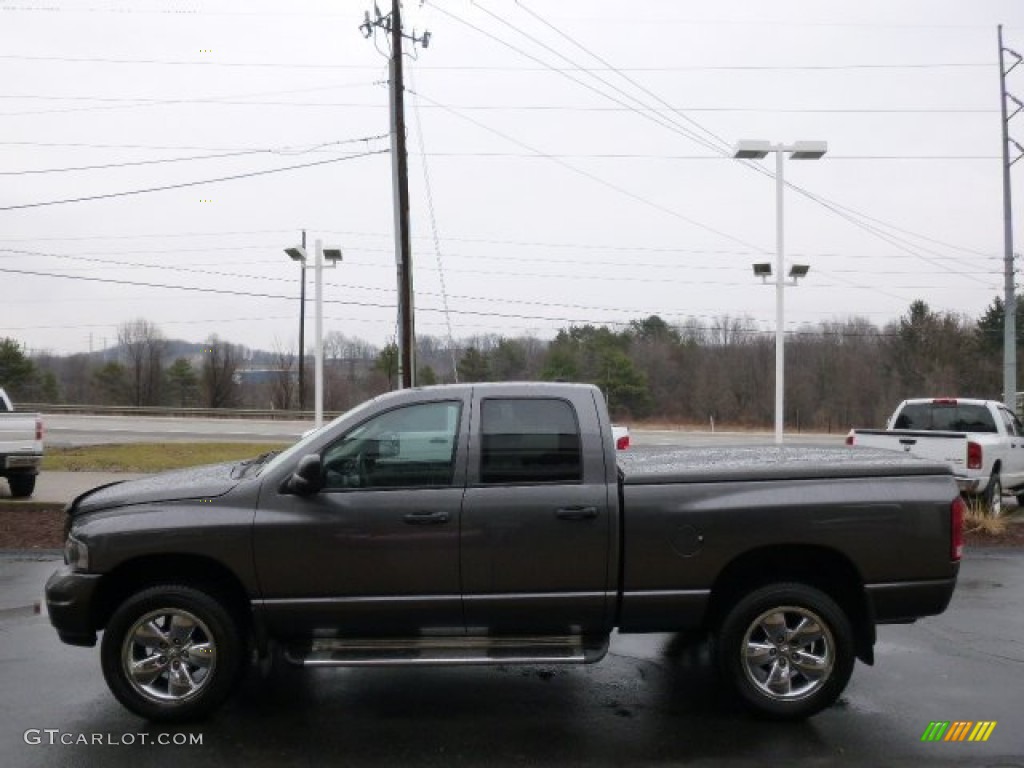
(447, 651)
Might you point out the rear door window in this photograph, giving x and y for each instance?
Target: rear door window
(529, 440)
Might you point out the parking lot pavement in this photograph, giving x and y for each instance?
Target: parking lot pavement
(653, 701)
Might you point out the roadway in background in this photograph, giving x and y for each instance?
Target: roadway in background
(74, 429)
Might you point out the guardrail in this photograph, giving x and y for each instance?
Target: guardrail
(170, 412)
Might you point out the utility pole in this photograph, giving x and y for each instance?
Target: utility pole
(392, 24)
(1009, 298)
(302, 329)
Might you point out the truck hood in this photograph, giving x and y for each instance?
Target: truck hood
(203, 482)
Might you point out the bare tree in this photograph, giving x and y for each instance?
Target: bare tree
(220, 364)
(285, 384)
(143, 347)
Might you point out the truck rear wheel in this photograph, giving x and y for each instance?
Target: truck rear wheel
(171, 653)
(994, 496)
(787, 650)
(22, 486)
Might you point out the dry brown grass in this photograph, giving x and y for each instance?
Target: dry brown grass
(978, 521)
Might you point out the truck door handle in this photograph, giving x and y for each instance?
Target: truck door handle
(576, 513)
(426, 518)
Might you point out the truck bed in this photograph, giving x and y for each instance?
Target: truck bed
(709, 465)
(692, 517)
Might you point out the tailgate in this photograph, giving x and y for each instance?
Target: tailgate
(947, 447)
(18, 434)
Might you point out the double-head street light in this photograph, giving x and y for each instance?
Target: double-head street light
(333, 255)
(800, 150)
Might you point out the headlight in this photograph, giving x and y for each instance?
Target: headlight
(76, 554)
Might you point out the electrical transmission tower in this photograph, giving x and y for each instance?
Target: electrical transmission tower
(1009, 289)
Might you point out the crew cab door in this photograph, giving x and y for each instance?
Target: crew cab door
(376, 551)
(536, 520)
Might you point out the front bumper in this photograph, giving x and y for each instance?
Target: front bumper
(69, 602)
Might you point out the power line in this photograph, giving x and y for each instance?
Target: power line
(229, 101)
(133, 10)
(500, 68)
(722, 146)
(654, 117)
(158, 161)
(182, 185)
(518, 257)
(345, 302)
(835, 207)
(161, 235)
(148, 102)
(598, 179)
(631, 81)
(716, 158)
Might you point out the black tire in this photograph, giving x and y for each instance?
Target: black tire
(809, 674)
(994, 496)
(22, 486)
(195, 668)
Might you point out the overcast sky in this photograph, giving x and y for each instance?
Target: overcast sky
(576, 151)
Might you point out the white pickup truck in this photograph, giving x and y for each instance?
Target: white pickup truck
(21, 447)
(982, 440)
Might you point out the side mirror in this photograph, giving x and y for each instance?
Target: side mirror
(308, 477)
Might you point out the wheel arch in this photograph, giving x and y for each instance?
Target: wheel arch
(197, 571)
(823, 568)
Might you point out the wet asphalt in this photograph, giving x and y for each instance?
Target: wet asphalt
(653, 701)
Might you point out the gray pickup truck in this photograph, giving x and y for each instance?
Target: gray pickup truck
(491, 524)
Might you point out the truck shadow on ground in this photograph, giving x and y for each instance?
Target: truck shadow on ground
(623, 710)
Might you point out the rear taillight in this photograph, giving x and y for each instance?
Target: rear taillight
(39, 429)
(956, 524)
(850, 440)
(973, 456)
(622, 443)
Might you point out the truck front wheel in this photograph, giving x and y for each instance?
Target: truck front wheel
(171, 653)
(787, 650)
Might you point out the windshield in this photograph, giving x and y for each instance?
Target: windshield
(302, 447)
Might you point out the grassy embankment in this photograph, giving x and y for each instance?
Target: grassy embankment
(149, 457)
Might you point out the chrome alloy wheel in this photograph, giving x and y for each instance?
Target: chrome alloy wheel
(788, 653)
(169, 655)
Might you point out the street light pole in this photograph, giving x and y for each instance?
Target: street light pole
(333, 255)
(800, 150)
(302, 329)
(318, 397)
(780, 299)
